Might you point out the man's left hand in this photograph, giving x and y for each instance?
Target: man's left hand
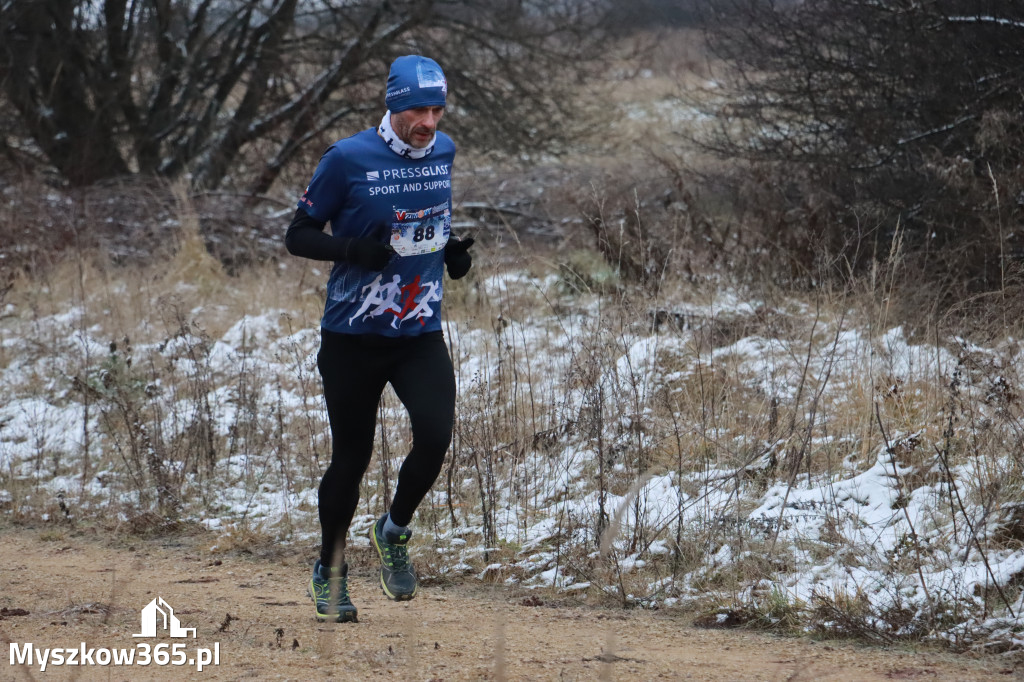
(457, 258)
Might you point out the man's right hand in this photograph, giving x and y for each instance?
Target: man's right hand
(369, 253)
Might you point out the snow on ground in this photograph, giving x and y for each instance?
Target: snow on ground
(565, 431)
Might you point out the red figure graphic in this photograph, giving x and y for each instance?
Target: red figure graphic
(409, 294)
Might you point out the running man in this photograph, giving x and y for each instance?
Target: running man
(386, 193)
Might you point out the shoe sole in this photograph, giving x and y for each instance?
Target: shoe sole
(346, 617)
(396, 597)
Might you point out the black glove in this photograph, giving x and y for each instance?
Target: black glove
(372, 253)
(457, 258)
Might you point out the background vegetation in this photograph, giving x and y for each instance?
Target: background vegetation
(883, 117)
(745, 307)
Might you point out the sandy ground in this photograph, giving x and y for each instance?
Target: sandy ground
(71, 589)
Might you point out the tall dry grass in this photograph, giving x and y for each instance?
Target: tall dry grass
(649, 414)
(616, 438)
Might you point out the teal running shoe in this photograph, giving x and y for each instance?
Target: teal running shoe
(329, 589)
(397, 577)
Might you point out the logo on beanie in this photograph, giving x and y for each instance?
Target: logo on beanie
(429, 76)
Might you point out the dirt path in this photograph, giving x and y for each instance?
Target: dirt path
(84, 587)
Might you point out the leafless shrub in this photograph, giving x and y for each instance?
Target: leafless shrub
(880, 108)
(232, 92)
(650, 223)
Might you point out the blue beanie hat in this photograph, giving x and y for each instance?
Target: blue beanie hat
(415, 81)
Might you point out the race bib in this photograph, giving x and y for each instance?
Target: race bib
(423, 234)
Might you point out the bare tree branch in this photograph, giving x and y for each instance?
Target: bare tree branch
(106, 88)
(896, 108)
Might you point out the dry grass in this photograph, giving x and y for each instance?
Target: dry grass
(568, 390)
(583, 377)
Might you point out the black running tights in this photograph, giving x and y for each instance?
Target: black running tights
(355, 370)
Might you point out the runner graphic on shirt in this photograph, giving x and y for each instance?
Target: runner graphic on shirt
(409, 293)
(383, 296)
(400, 301)
(422, 307)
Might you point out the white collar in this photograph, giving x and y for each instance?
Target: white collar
(406, 151)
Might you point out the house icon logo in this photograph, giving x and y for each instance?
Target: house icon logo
(159, 611)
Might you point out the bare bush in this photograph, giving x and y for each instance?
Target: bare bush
(891, 112)
(230, 92)
(651, 223)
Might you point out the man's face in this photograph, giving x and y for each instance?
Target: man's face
(416, 127)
